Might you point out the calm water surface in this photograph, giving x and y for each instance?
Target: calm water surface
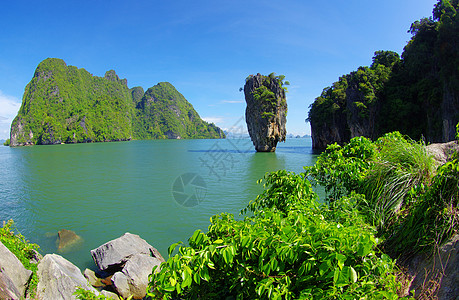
(103, 190)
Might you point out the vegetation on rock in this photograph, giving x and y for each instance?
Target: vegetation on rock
(266, 110)
(25, 251)
(64, 104)
(417, 95)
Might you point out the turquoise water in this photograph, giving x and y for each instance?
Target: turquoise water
(103, 190)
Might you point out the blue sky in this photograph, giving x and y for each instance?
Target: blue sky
(206, 49)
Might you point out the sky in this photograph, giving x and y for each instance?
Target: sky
(206, 49)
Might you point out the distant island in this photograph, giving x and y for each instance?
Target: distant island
(65, 104)
(416, 94)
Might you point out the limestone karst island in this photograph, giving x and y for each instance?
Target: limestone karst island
(64, 104)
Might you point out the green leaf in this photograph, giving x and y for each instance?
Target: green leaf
(352, 275)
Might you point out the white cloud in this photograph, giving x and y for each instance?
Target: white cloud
(214, 120)
(232, 101)
(9, 107)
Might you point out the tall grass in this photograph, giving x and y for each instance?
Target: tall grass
(434, 217)
(400, 167)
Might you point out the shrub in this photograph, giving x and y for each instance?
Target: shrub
(290, 248)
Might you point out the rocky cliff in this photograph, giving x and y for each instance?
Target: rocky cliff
(64, 104)
(417, 95)
(266, 111)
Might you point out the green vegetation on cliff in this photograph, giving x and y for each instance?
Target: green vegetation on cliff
(417, 95)
(163, 112)
(64, 104)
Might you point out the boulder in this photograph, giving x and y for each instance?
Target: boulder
(7, 288)
(92, 278)
(115, 253)
(133, 279)
(436, 276)
(58, 278)
(110, 295)
(442, 152)
(13, 275)
(266, 112)
(68, 240)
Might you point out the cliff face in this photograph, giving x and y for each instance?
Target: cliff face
(64, 104)
(347, 109)
(417, 95)
(266, 111)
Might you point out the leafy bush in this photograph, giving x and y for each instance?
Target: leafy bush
(342, 169)
(289, 248)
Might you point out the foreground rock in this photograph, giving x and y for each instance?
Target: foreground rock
(59, 278)
(133, 279)
(68, 240)
(442, 152)
(266, 112)
(127, 261)
(114, 254)
(436, 276)
(13, 275)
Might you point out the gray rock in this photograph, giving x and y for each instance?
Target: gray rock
(442, 152)
(13, 273)
(114, 254)
(58, 278)
(68, 240)
(92, 278)
(133, 279)
(438, 273)
(266, 117)
(110, 295)
(7, 288)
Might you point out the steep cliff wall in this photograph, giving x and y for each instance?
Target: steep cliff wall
(266, 112)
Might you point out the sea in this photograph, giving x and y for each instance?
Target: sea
(162, 190)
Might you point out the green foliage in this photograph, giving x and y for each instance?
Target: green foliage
(270, 95)
(7, 142)
(394, 94)
(289, 248)
(342, 169)
(413, 208)
(399, 167)
(165, 113)
(84, 294)
(23, 250)
(434, 217)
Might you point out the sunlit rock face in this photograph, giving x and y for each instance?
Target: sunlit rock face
(266, 112)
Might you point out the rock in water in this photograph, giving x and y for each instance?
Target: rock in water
(266, 112)
(68, 240)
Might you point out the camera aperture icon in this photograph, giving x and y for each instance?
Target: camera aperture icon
(189, 189)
